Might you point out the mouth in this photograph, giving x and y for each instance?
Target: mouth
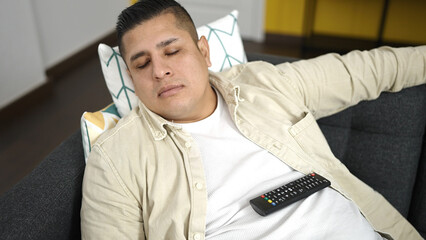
(170, 90)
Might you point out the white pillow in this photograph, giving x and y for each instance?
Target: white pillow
(226, 46)
(119, 84)
(226, 50)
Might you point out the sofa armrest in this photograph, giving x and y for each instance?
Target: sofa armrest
(46, 204)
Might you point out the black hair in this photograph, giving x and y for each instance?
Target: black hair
(145, 10)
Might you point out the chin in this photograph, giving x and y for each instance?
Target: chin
(171, 115)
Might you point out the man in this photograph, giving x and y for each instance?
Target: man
(185, 164)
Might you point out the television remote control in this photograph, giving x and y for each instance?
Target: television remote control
(292, 192)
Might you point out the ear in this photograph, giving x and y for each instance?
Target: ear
(203, 46)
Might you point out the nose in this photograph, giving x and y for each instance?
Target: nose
(160, 69)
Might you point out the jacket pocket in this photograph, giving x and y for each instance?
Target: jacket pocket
(310, 138)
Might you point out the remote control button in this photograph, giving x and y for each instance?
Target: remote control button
(263, 196)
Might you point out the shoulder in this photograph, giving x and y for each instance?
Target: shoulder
(255, 66)
(251, 72)
(126, 126)
(256, 74)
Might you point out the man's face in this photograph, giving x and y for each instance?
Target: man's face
(169, 71)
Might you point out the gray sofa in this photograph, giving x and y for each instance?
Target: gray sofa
(382, 142)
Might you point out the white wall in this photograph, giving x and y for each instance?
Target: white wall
(35, 35)
(21, 66)
(66, 27)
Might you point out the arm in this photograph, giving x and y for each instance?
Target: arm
(109, 210)
(331, 83)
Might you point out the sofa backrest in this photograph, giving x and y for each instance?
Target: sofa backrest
(417, 214)
(381, 142)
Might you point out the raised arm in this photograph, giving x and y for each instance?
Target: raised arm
(331, 83)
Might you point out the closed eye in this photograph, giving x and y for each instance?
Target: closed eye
(144, 65)
(172, 53)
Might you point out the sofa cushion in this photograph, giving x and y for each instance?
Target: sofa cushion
(93, 124)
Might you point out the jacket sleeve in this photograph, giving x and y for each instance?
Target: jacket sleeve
(109, 210)
(331, 83)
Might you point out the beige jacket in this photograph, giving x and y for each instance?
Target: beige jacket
(144, 179)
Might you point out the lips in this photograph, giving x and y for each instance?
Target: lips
(169, 90)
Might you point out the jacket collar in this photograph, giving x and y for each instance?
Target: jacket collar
(157, 124)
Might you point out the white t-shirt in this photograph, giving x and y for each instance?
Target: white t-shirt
(238, 170)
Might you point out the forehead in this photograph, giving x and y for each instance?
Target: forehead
(151, 32)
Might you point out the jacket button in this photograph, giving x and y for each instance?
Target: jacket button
(197, 236)
(199, 186)
(187, 144)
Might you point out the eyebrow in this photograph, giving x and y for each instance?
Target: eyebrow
(162, 44)
(166, 43)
